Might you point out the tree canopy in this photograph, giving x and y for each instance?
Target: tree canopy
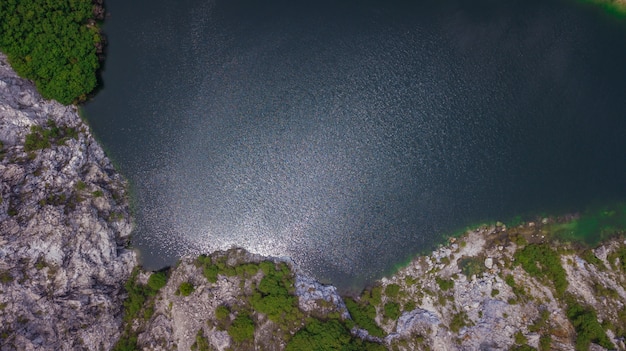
(54, 43)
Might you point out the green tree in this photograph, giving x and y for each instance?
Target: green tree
(54, 43)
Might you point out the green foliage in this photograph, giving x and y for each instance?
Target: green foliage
(392, 290)
(185, 289)
(409, 306)
(459, 320)
(495, 292)
(444, 284)
(617, 259)
(328, 336)
(543, 263)
(5, 277)
(588, 256)
(363, 315)
(157, 280)
(523, 348)
(242, 328)
(392, 310)
(201, 343)
(545, 342)
(274, 296)
(126, 343)
(80, 185)
(519, 338)
(222, 312)
(52, 43)
(541, 322)
(587, 327)
(42, 138)
(97, 193)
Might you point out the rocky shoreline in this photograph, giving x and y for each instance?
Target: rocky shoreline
(64, 225)
(68, 282)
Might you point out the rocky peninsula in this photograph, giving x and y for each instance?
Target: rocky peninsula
(68, 282)
(64, 225)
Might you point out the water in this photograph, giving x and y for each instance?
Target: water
(351, 135)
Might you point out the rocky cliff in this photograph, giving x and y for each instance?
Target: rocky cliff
(494, 288)
(64, 223)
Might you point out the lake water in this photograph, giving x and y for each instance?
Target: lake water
(350, 135)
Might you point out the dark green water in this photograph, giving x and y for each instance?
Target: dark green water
(351, 135)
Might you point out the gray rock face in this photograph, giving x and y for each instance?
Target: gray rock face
(64, 222)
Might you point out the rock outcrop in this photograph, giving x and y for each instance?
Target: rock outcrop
(64, 225)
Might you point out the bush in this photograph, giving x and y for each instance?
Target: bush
(364, 315)
(444, 284)
(42, 138)
(329, 335)
(242, 328)
(157, 280)
(543, 263)
(222, 312)
(459, 321)
(392, 310)
(587, 327)
(392, 290)
(201, 343)
(185, 289)
(274, 296)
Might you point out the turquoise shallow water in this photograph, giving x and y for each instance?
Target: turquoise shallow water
(350, 135)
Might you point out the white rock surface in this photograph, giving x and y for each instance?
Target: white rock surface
(62, 251)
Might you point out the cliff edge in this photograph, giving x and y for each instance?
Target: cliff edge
(64, 225)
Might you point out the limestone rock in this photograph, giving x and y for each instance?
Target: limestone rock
(64, 223)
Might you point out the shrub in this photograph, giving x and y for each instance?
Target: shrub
(329, 335)
(444, 284)
(520, 339)
(185, 289)
(543, 263)
(459, 321)
(587, 327)
(222, 312)
(274, 296)
(242, 328)
(363, 315)
(392, 310)
(157, 280)
(392, 290)
(201, 343)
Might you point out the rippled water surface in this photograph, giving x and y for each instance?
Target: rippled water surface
(350, 135)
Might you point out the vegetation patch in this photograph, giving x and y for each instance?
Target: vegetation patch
(242, 328)
(391, 310)
(544, 264)
(185, 289)
(274, 295)
(459, 320)
(444, 284)
(201, 343)
(41, 138)
(588, 329)
(363, 314)
(328, 335)
(138, 305)
(54, 43)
